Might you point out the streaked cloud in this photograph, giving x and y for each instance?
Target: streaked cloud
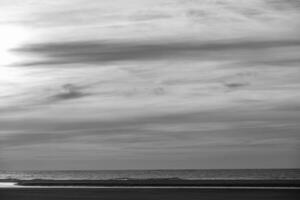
(97, 52)
(160, 83)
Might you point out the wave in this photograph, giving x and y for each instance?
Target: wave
(170, 182)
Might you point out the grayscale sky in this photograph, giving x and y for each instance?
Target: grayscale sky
(146, 84)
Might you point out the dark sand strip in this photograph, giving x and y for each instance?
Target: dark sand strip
(163, 183)
(147, 194)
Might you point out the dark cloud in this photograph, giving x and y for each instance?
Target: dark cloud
(277, 62)
(69, 91)
(236, 85)
(24, 139)
(113, 134)
(140, 133)
(284, 5)
(100, 52)
(197, 13)
(66, 92)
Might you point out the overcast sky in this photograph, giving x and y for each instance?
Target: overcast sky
(150, 84)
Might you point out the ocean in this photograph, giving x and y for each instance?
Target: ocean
(212, 174)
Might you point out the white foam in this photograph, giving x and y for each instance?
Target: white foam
(7, 184)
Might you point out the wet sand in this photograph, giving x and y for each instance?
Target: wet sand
(147, 194)
(161, 182)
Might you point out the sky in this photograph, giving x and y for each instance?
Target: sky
(143, 84)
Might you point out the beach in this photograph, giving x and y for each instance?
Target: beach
(83, 185)
(173, 189)
(150, 185)
(147, 193)
(170, 182)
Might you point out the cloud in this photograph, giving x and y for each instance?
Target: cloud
(101, 52)
(69, 91)
(235, 85)
(152, 81)
(210, 128)
(286, 5)
(146, 16)
(285, 62)
(65, 92)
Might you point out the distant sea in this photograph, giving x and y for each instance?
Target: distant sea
(238, 174)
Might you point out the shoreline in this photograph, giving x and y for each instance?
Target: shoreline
(153, 183)
(15, 186)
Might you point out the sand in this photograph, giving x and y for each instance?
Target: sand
(147, 194)
(162, 182)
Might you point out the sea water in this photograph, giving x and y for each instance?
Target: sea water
(238, 174)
